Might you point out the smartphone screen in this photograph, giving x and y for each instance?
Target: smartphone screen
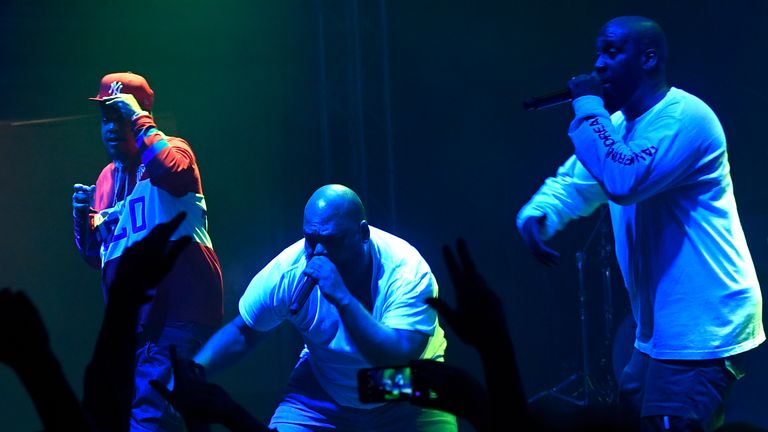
(384, 384)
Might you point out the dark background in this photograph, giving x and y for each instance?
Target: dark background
(415, 105)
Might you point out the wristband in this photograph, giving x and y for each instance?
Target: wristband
(150, 144)
(148, 137)
(141, 124)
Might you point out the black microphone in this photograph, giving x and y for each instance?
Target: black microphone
(301, 295)
(548, 100)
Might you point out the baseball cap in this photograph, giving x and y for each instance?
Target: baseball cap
(126, 82)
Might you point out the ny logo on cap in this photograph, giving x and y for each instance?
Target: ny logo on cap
(115, 88)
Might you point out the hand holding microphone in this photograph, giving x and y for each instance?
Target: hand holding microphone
(306, 285)
(300, 296)
(320, 270)
(584, 85)
(579, 85)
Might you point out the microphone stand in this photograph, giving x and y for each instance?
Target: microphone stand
(609, 386)
(586, 393)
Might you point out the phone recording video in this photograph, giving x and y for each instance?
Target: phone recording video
(388, 384)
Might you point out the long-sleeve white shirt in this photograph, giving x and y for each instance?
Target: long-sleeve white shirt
(679, 241)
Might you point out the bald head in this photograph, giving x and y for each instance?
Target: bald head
(335, 226)
(336, 201)
(644, 33)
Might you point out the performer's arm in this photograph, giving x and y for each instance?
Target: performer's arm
(201, 402)
(169, 161)
(230, 344)
(380, 344)
(681, 136)
(570, 194)
(82, 213)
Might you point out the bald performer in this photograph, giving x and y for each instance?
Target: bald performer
(657, 155)
(367, 310)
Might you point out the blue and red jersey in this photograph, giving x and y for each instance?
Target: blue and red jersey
(129, 201)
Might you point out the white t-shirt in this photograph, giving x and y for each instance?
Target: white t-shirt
(401, 282)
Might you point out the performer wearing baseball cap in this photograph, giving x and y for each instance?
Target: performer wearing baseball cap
(152, 177)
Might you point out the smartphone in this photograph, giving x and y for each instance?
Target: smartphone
(388, 384)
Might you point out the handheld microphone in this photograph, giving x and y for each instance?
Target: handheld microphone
(548, 100)
(302, 294)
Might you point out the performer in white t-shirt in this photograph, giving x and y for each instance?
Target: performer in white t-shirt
(367, 309)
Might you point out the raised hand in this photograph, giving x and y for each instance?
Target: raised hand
(531, 233)
(479, 320)
(145, 263)
(109, 377)
(23, 337)
(125, 103)
(478, 316)
(25, 347)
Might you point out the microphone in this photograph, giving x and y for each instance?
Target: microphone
(548, 100)
(302, 294)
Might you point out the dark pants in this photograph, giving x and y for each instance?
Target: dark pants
(677, 395)
(149, 410)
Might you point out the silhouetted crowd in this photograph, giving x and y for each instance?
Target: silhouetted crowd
(499, 404)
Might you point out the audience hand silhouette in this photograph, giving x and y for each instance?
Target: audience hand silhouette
(25, 347)
(202, 402)
(109, 377)
(455, 391)
(478, 309)
(144, 264)
(23, 336)
(478, 320)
